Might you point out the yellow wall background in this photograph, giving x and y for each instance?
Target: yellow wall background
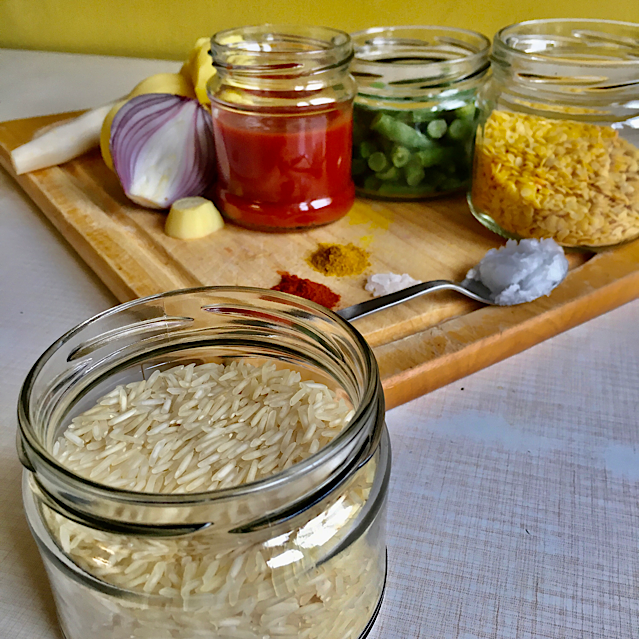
(168, 28)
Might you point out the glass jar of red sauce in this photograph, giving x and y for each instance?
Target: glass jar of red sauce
(281, 102)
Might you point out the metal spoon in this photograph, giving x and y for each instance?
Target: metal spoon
(470, 288)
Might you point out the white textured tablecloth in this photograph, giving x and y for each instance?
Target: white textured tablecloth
(514, 500)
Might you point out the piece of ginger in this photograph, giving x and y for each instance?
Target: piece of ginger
(191, 218)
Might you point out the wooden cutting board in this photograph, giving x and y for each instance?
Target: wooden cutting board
(420, 345)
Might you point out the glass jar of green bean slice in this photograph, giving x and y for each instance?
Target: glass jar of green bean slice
(415, 117)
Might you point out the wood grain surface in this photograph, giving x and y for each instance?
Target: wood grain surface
(420, 345)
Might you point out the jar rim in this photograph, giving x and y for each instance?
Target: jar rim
(477, 44)
(280, 49)
(418, 62)
(28, 436)
(334, 37)
(506, 43)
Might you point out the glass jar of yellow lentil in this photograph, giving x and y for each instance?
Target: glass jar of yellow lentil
(414, 117)
(209, 463)
(556, 153)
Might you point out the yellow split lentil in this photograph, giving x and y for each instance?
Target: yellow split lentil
(575, 182)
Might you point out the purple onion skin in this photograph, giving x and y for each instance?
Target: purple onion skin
(143, 117)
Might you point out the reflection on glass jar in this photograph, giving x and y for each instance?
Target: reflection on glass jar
(557, 148)
(282, 117)
(415, 117)
(211, 462)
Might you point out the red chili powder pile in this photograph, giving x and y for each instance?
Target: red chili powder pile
(307, 289)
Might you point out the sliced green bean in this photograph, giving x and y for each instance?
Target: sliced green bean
(437, 128)
(414, 172)
(400, 156)
(367, 148)
(378, 162)
(460, 129)
(399, 132)
(421, 116)
(371, 183)
(390, 174)
(467, 111)
(431, 157)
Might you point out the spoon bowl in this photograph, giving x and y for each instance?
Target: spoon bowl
(470, 288)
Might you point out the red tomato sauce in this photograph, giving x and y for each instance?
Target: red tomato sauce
(284, 171)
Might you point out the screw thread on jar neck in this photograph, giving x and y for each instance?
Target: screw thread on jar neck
(418, 61)
(592, 63)
(280, 51)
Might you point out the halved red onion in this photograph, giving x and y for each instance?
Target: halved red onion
(162, 148)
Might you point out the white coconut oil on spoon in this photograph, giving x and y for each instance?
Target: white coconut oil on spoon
(513, 274)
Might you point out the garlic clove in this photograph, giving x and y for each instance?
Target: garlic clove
(105, 133)
(173, 83)
(199, 69)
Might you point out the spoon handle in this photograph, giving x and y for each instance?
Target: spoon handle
(386, 301)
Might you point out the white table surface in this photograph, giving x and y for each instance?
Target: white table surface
(514, 501)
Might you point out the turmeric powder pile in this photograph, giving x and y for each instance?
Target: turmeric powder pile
(339, 260)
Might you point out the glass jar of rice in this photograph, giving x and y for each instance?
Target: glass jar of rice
(209, 463)
(557, 148)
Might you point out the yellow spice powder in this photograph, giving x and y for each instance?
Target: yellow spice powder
(339, 260)
(573, 181)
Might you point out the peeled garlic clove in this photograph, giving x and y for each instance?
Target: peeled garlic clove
(105, 133)
(173, 83)
(199, 69)
(191, 218)
(162, 149)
